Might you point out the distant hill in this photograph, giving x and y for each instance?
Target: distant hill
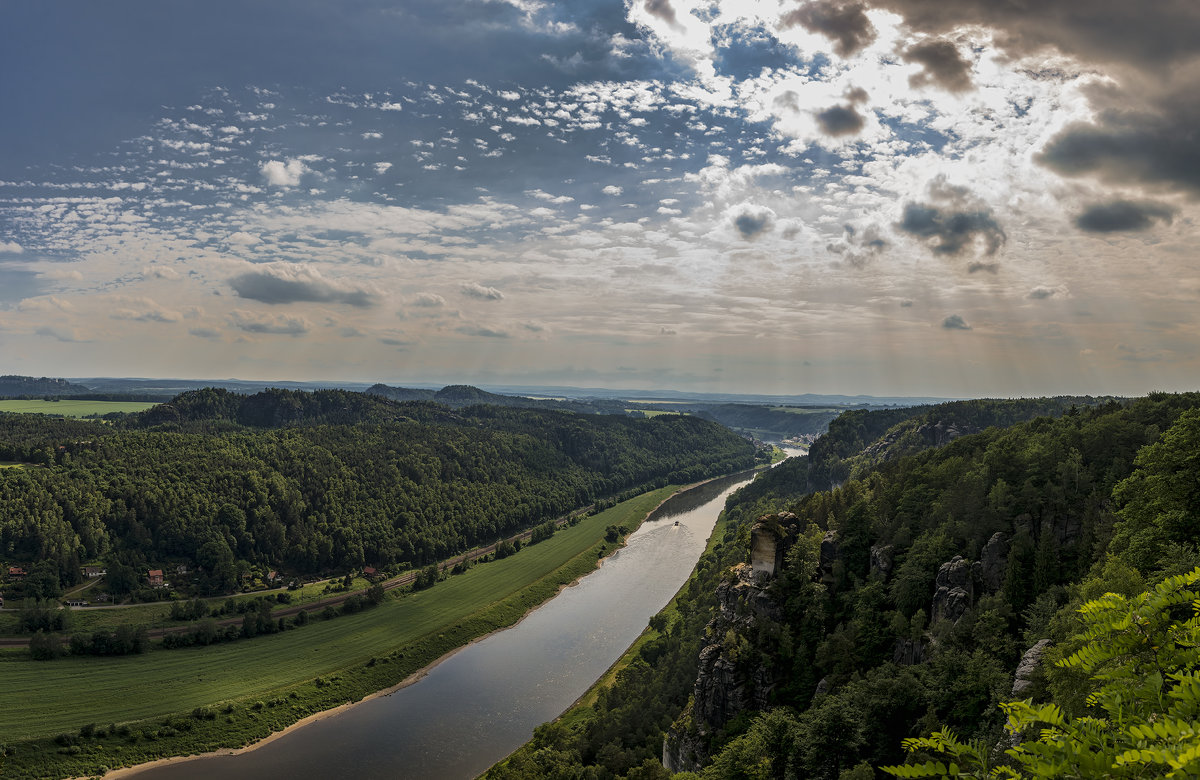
(18, 386)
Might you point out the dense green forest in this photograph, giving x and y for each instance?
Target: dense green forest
(909, 594)
(312, 482)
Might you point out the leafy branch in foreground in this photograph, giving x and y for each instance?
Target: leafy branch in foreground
(1144, 709)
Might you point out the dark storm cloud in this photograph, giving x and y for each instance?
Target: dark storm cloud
(662, 9)
(840, 120)
(943, 64)
(1156, 146)
(752, 221)
(285, 285)
(1123, 215)
(948, 231)
(955, 322)
(1143, 133)
(846, 24)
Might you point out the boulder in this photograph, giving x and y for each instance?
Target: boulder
(1030, 664)
(829, 556)
(881, 560)
(955, 590)
(993, 562)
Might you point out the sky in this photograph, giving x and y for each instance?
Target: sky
(888, 197)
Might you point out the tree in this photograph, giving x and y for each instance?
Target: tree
(1145, 700)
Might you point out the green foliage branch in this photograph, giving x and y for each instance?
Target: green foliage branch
(1143, 718)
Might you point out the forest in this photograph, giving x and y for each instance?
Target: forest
(930, 584)
(317, 482)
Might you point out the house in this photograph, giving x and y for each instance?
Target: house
(369, 572)
(77, 603)
(272, 575)
(182, 569)
(16, 573)
(92, 572)
(155, 578)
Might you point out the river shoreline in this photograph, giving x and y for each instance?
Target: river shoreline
(137, 769)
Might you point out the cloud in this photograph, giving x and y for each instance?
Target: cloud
(160, 272)
(146, 310)
(751, 220)
(1123, 215)
(11, 248)
(62, 275)
(482, 331)
(1041, 293)
(840, 120)
(279, 284)
(846, 24)
(953, 223)
(955, 322)
(1147, 35)
(242, 238)
(612, 189)
(280, 324)
(477, 290)
(665, 331)
(428, 300)
(65, 335)
(943, 66)
(46, 304)
(662, 9)
(205, 333)
(283, 174)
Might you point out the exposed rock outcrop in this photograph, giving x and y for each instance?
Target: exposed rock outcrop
(993, 562)
(881, 560)
(725, 684)
(908, 652)
(829, 556)
(770, 539)
(955, 590)
(1027, 670)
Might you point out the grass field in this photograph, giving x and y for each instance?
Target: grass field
(73, 408)
(60, 696)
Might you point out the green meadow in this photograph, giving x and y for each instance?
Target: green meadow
(69, 408)
(302, 671)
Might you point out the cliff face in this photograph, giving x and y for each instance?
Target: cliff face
(730, 679)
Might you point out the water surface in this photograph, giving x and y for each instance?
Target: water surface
(483, 702)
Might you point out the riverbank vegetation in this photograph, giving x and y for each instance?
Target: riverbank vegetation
(873, 631)
(245, 691)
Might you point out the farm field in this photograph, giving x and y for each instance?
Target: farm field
(59, 696)
(68, 408)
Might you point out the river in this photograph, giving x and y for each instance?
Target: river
(483, 702)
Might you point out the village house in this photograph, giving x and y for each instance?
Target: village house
(155, 577)
(91, 572)
(16, 573)
(370, 572)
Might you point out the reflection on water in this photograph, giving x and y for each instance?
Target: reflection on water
(483, 702)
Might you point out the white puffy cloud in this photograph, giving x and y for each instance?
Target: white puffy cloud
(283, 174)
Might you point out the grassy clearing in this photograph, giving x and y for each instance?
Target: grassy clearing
(650, 412)
(12, 464)
(353, 655)
(73, 408)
